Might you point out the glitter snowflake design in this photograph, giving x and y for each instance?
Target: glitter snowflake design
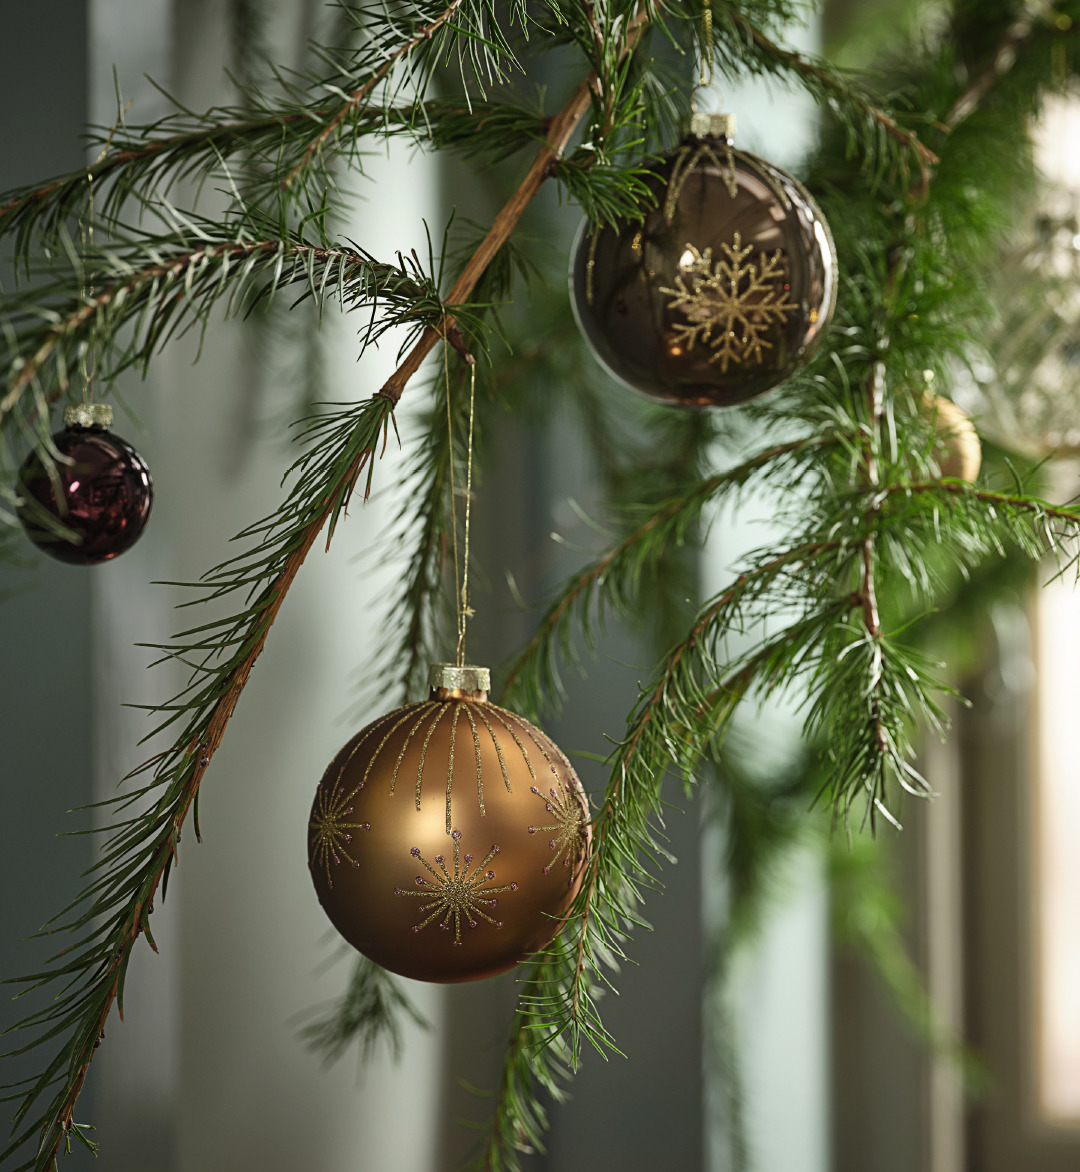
(333, 830)
(457, 897)
(568, 829)
(732, 305)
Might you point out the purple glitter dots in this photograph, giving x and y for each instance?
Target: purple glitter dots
(455, 834)
(416, 927)
(415, 852)
(551, 844)
(533, 789)
(468, 858)
(457, 943)
(397, 890)
(491, 874)
(419, 880)
(445, 927)
(440, 859)
(348, 838)
(367, 825)
(513, 887)
(554, 793)
(532, 829)
(472, 923)
(498, 924)
(494, 850)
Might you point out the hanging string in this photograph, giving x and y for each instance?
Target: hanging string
(88, 367)
(465, 612)
(461, 564)
(453, 486)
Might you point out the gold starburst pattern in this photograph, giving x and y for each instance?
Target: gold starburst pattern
(333, 830)
(731, 305)
(461, 896)
(569, 830)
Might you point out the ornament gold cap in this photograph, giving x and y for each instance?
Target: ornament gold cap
(711, 125)
(88, 415)
(451, 678)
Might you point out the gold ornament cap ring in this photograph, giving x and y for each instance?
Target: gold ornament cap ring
(470, 681)
(88, 415)
(711, 125)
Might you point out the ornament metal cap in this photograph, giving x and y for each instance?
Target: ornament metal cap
(88, 415)
(451, 678)
(711, 125)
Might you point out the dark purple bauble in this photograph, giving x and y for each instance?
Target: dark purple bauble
(104, 497)
(720, 293)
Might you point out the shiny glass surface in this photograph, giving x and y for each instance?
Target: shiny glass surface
(103, 496)
(721, 302)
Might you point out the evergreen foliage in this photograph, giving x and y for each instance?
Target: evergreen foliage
(920, 167)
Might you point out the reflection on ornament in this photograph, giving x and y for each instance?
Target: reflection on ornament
(409, 806)
(720, 293)
(101, 491)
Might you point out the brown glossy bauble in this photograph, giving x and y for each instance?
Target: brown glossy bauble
(722, 292)
(957, 449)
(102, 492)
(447, 837)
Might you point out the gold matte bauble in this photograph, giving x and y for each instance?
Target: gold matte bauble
(449, 836)
(721, 292)
(957, 448)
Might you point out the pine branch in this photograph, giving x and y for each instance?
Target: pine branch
(622, 568)
(368, 1013)
(141, 852)
(1004, 58)
(182, 278)
(356, 100)
(749, 47)
(559, 133)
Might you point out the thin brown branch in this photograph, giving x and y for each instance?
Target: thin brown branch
(359, 95)
(558, 135)
(963, 489)
(807, 67)
(208, 745)
(1002, 61)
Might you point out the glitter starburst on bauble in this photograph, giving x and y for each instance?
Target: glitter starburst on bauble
(448, 837)
(719, 294)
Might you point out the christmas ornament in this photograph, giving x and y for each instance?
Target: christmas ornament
(448, 837)
(102, 491)
(723, 291)
(957, 448)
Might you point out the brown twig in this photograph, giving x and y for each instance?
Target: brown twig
(207, 746)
